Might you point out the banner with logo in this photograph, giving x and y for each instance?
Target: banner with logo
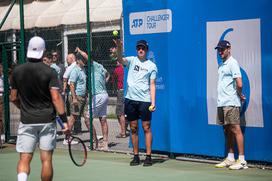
(182, 37)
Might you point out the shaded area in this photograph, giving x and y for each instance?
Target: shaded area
(109, 166)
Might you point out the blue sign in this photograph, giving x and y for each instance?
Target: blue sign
(182, 36)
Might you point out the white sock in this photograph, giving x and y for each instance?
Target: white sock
(242, 157)
(231, 156)
(22, 176)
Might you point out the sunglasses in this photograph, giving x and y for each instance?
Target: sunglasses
(55, 55)
(221, 49)
(141, 48)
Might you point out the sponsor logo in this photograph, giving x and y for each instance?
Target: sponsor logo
(147, 22)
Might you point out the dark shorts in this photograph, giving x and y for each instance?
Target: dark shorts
(135, 110)
(228, 115)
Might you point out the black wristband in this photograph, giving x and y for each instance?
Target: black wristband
(63, 117)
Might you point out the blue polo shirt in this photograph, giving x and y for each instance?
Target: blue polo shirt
(138, 81)
(56, 68)
(78, 77)
(226, 88)
(100, 79)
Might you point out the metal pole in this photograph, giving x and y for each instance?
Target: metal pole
(22, 33)
(89, 71)
(7, 13)
(6, 93)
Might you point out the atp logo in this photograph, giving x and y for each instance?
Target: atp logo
(246, 83)
(137, 23)
(137, 68)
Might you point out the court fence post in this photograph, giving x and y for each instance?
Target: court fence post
(6, 93)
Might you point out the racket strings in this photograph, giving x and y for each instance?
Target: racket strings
(77, 152)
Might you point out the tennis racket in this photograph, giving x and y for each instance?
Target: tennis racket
(76, 147)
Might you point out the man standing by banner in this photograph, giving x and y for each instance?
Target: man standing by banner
(140, 96)
(229, 100)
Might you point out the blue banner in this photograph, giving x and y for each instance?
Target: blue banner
(182, 36)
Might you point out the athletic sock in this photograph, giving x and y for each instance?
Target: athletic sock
(242, 157)
(231, 156)
(22, 176)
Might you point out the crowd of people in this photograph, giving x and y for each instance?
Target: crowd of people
(74, 91)
(43, 86)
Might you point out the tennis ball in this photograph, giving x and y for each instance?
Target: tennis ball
(151, 108)
(115, 33)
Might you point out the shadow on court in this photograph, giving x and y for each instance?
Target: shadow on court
(101, 166)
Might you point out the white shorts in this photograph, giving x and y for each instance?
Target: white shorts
(99, 104)
(31, 134)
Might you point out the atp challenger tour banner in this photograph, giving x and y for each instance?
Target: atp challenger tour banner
(182, 36)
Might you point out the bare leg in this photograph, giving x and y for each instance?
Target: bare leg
(23, 165)
(47, 166)
(122, 122)
(237, 132)
(104, 126)
(134, 136)
(229, 139)
(95, 141)
(148, 136)
(71, 121)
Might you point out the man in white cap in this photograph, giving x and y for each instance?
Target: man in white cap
(35, 90)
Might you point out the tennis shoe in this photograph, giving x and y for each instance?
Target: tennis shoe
(225, 163)
(239, 165)
(73, 142)
(135, 161)
(147, 161)
(104, 146)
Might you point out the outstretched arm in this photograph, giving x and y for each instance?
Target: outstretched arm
(120, 57)
(84, 54)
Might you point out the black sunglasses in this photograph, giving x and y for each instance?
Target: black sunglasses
(141, 48)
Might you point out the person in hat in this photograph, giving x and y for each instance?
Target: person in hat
(140, 96)
(229, 100)
(35, 90)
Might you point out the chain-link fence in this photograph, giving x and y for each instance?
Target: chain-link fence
(64, 40)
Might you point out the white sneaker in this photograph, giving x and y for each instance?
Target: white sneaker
(239, 165)
(65, 142)
(225, 163)
(104, 146)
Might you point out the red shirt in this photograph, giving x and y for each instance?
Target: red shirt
(119, 76)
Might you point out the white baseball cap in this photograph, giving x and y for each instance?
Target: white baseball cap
(36, 47)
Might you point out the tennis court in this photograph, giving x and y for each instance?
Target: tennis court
(103, 166)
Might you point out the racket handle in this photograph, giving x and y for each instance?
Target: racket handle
(60, 122)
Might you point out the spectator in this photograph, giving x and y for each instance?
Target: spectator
(118, 78)
(99, 97)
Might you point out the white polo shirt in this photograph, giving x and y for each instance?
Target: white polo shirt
(68, 71)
